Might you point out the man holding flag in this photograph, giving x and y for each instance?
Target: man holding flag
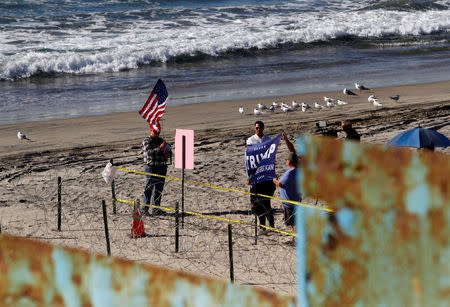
(260, 160)
(261, 149)
(155, 149)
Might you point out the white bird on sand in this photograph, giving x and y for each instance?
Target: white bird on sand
(318, 106)
(361, 87)
(371, 98)
(341, 103)
(241, 110)
(348, 92)
(396, 97)
(272, 108)
(283, 105)
(285, 108)
(261, 106)
(305, 105)
(257, 111)
(376, 103)
(330, 104)
(22, 136)
(275, 104)
(328, 99)
(295, 104)
(304, 108)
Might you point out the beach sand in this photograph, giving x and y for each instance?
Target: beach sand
(78, 149)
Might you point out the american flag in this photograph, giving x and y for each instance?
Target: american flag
(154, 108)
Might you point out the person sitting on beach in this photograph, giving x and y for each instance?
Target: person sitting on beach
(352, 134)
(289, 190)
(156, 152)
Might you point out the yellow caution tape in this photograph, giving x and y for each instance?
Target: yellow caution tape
(210, 217)
(232, 190)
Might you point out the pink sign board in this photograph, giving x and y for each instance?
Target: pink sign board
(188, 151)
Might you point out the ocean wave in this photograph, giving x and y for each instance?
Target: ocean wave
(101, 45)
(408, 5)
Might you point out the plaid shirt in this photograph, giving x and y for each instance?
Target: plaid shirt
(152, 154)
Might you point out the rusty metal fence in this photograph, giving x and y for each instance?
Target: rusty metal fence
(387, 244)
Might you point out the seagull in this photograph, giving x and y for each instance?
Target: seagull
(304, 108)
(305, 105)
(283, 105)
(330, 104)
(328, 99)
(272, 108)
(261, 106)
(348, 92)
(396, 97)
(371, 98)
(257, 111)
(275, 104)
(286, 108)
(341, 103)
(241, 110)
(361, 87)
(318, 106)
(376, 103)
(22, 136)
(295, 104)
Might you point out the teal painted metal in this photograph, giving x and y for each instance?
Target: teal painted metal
(34, 273)
(387, 244)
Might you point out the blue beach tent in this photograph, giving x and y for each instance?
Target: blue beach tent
(420, 138)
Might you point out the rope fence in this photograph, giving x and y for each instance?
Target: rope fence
(297, 203)
(72, 211)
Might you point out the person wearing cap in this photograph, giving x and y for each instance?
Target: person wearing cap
(350, 131)
(156, 152)
(289, 191)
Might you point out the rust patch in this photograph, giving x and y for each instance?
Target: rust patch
(57, 300)
(445, 294)
(330, 245)
(407, 226)
(76, 279)
(354, 274)
(438, 164)
(438, 225)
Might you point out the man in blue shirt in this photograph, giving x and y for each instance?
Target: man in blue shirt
(289, 190)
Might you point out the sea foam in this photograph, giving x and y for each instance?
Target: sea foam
(100, 45)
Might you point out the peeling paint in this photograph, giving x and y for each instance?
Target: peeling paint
(63, 268)
(101, 292)
(417, 198)
(21, 276)
(388, 219)
(346, 220)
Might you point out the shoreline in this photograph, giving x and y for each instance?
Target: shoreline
(129, 127)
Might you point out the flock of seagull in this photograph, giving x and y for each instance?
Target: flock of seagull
(329, 103)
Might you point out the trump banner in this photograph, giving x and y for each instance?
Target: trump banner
(260, 160)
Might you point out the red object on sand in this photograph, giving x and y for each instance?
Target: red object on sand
(137, 227)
